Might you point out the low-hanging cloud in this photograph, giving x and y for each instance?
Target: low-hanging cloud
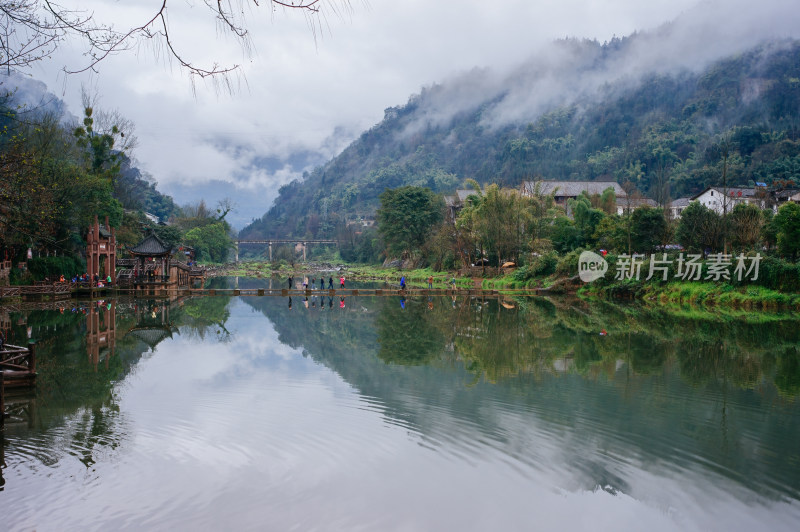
(569, 71)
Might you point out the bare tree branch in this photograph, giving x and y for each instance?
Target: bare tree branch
(31, 30)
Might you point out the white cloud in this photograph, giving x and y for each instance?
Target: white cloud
(299, 91)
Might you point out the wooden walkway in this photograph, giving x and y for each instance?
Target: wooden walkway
(344, 292)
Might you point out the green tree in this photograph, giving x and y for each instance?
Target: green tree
(406, 217)
(787, 222)
(611, 234)
(699, 228)
(648, 227)
(211, 242)
(587, 218)
(745, 224)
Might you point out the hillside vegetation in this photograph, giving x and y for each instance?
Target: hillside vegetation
(667, 132)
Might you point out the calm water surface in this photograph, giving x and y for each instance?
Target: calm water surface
(376, 413)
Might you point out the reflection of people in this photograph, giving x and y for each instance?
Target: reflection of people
(305, 302)
(341, 302)
(402, 302)
(454, 282)
(430, 303)
(330, 302)
(290, 303)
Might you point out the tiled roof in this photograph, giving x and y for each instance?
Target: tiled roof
(680, 202)
(458, 199)
(151, 246)
(573, 188)
(151, 336)
(736, 192)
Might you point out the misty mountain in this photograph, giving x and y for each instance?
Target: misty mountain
(625, 110)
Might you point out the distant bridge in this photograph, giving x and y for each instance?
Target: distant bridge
(268, 242)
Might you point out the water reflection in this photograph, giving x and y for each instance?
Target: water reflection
(672, 419)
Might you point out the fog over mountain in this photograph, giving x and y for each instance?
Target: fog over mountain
(568, 72)
(305, 100)
(578, 109)
(563, 73)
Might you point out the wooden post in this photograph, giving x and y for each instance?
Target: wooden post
(32, 356)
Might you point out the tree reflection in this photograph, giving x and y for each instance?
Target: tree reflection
(406, 334)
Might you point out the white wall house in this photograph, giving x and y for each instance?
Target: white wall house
(721, 200)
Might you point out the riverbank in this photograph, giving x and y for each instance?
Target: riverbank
(747, 297)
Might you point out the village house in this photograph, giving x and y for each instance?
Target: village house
(722, 200)
(631, 204)
(677, 206)
(563, 191)
(455, 203)
(785, 195)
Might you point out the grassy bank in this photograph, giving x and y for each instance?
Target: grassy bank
(680, 293)
(697, 294)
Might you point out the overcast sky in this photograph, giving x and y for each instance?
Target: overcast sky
(309, 98)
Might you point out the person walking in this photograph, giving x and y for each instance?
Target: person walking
(322, 283)
(430, 282)
(403, 282)
(453, 282)
(341, 282)
(330, 283)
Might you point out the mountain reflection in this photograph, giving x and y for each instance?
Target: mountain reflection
(586, 392)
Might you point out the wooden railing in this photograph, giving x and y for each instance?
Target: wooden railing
(9, 291)
(41, 289)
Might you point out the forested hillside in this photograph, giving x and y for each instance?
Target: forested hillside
(57, 173)
(668, 131)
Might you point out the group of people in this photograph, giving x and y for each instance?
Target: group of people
(307, 286)
(430, 282)
(321, 302)
(312, 284)
(86, 278)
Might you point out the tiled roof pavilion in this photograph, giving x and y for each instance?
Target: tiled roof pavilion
(151, 246)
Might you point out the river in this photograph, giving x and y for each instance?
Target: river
(382, 413)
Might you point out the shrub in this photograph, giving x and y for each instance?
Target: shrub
(53, 267)
(778, 274)
(545, 264)
(568, 264)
